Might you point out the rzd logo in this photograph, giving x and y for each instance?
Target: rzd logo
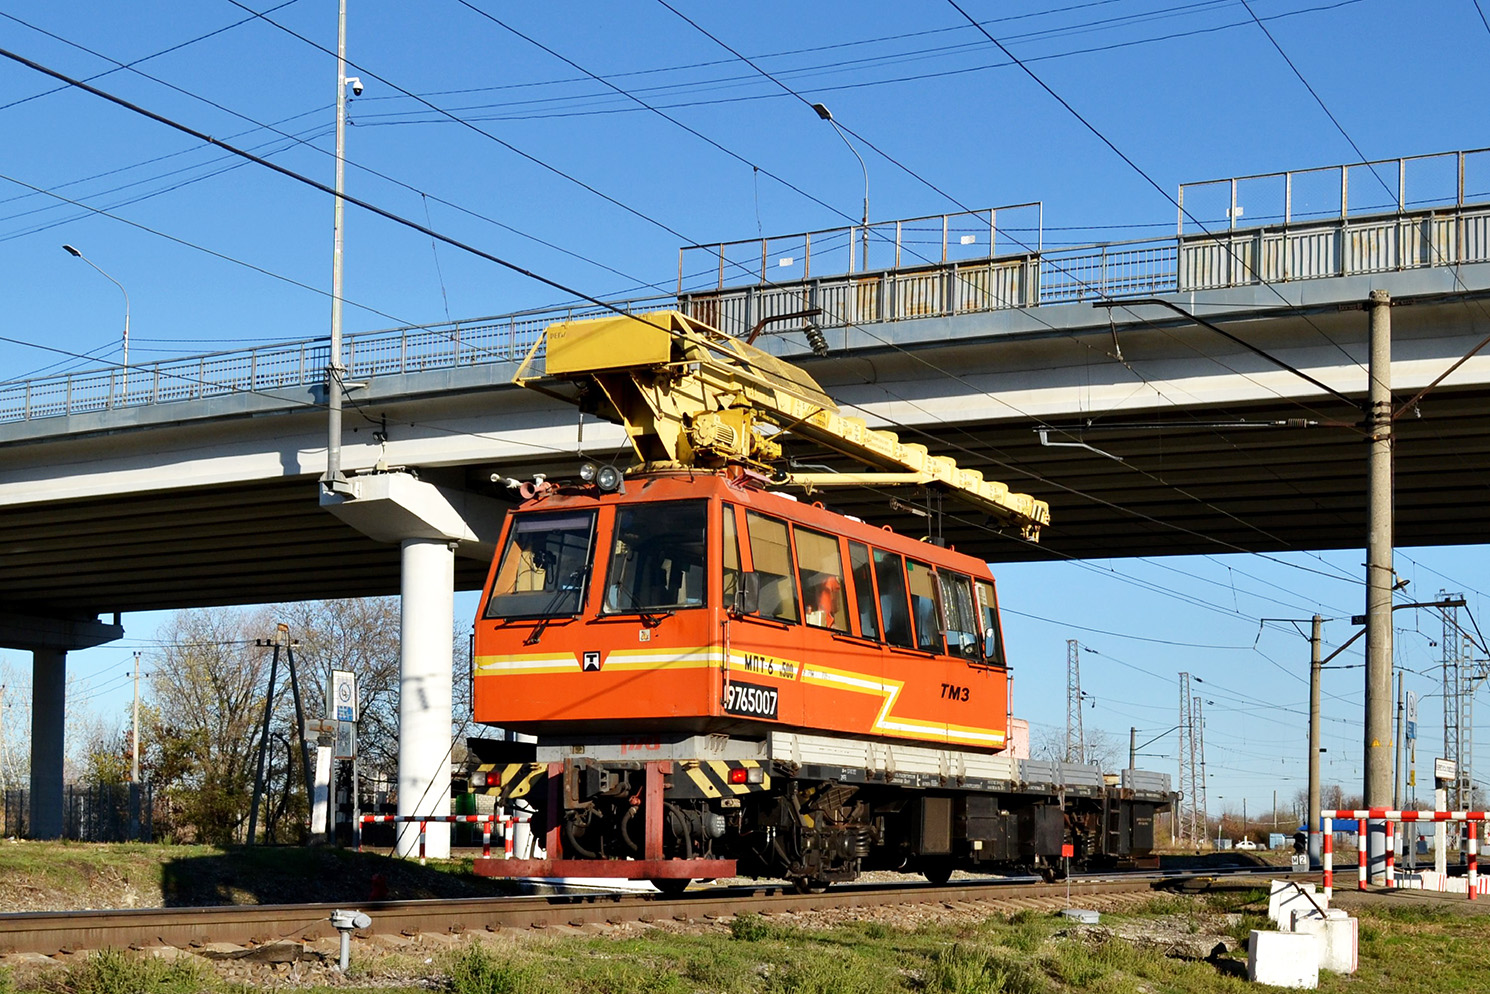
(751, 701)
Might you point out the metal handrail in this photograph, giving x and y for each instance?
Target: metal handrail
(1141, 267)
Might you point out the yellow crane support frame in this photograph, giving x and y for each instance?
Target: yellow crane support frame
(689, 395)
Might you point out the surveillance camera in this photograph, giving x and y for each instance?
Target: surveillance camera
(356, 83)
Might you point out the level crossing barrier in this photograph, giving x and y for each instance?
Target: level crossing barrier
(485, 821)
(1470, 819)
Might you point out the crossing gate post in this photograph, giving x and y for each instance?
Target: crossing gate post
(1328, 827)
(1474, 859)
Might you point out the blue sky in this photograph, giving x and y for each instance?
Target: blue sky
(1187, 90)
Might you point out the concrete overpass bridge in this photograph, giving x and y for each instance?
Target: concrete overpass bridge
(192, 482)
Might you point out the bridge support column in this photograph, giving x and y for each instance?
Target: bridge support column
(49, 638)
(48, 747)
(426, 626)
(428, 524)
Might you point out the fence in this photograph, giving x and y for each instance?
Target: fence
(1471, 820)
(485, 821)
(118, 812)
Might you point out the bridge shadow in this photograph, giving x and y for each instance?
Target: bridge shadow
(300, 875)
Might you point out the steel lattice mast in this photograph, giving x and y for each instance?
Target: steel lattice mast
(1186, 814)
(1075, 736)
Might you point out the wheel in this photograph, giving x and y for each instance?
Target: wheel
(938, 871)
(809, 885)
(1050, 873)
(671, 886)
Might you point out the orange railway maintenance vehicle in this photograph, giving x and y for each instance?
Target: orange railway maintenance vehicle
(725, 680)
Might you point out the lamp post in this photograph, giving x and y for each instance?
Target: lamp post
(827, 115)
(125, 360)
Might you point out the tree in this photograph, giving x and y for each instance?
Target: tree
(15, 727)
(361, 636)
(207, 687)
(1049, 744)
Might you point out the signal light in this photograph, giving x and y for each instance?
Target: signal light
(739, 776)
(747, 774)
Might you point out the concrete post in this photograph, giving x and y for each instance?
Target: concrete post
(1314, 668)
(48, 721)
(424, 696)
(1379, 580)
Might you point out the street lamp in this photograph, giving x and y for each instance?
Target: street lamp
(827, 115)
(125, 362)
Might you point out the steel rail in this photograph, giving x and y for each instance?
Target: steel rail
(52, 932)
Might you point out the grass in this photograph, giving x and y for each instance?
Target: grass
(111, 971)
(1403, 950)
(65, 875)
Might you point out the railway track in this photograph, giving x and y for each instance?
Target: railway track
(50, 933)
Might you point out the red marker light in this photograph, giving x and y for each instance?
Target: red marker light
(740, 775)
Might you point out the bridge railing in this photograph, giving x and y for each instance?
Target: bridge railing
(277, 368)
(1343, 246)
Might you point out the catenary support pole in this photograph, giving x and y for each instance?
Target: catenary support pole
(253, 808)
(1314, 668)
(1379, 580)
(307, 765)
(134, 743)
(1397, 754)
(427, 617)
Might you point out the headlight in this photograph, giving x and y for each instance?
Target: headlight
(478, 779)
(587, 472)
(608, 479)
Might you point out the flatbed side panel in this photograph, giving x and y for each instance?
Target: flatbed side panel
(626, 869)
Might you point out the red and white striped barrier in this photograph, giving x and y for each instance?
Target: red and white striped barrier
(485, 821)
(1470, 819)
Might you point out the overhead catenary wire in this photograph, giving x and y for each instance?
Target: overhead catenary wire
(313, 183)
(303, 141)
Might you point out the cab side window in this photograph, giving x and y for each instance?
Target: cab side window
(990, 633)
(771, 552)
(924, 608)
(962, 623)
(889, 570)
(858, 563)
(731, 557)
(820, 566)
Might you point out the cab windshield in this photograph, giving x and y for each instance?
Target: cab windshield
(544, 567)
(659, 558)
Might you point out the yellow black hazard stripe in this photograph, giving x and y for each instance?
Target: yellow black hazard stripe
(510, 780)
(711, 778)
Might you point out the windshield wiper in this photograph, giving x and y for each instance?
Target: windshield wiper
(578, 590)
(654, 618)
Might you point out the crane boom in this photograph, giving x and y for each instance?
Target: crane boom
(689, 395)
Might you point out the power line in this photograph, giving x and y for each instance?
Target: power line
(154, 55)
(290, 173)
(304, 142)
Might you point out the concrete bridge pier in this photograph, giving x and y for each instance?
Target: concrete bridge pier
(430, 525)
(49, 639)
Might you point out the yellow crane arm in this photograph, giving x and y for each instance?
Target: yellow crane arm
(690, 395)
